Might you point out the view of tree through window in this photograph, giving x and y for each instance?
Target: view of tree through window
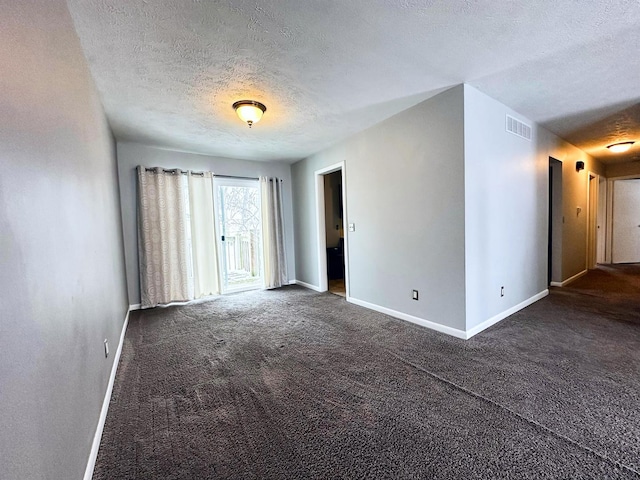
(239, 209)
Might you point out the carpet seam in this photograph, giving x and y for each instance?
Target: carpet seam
(513, 412)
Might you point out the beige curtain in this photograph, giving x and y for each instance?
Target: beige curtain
(275, 262)
(162, 249)
(203, 235)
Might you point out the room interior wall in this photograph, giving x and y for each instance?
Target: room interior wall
(506, 199)
(130, 155)
(405, 195)
(574, 196)
(623, 169)
(62, 280)
(504, 188)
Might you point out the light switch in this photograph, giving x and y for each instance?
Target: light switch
(352, 227)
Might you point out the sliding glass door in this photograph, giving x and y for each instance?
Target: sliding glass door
(240, 234)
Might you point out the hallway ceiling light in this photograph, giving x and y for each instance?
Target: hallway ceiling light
(249, 111)
(620, 147)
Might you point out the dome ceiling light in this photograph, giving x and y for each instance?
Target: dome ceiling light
(620, 147)
(249, 111)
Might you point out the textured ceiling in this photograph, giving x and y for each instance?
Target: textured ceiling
(169, 70)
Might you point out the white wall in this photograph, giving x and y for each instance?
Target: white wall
(130, 155)
(506, 201)
(62, 280)
(405, 194)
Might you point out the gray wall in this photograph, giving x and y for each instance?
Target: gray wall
(130, 155)
(574, 194)
(623, 169)
(62, 281)
(507, 208)
(507, 191)
(405, 194)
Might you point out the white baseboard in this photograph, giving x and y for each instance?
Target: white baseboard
(465, 335)
(292, 282)
(569, 280)
(410, 318)
(307, 285)
(136, 306)
(93, 455)
(502, 315)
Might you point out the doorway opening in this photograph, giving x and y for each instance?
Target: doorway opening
(239, 221)
(333, 264)
(334, 232)
(556, 219)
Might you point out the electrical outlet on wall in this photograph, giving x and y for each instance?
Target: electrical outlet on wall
(106, 348)
(414, 294)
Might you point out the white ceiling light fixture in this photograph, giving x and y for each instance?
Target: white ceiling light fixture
(249, 111)
(620, 147)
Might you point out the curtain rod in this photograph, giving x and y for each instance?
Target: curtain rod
(175, 170)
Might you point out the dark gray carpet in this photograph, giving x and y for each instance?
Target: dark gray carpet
(296, 384)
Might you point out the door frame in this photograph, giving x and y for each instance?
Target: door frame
(555, 223)
(593, 180)
(321, 240)
(222, 259)
(609, 218)
(601, 221)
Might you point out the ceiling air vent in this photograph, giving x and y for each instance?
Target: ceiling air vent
(518, 128)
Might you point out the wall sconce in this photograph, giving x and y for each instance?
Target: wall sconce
(579, 166)
(249, 111)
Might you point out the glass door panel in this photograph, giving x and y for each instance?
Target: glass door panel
(240, 240)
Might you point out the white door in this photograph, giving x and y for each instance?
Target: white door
(626, 221)
(240, 234)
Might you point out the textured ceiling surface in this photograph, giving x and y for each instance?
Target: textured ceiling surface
(168, 71)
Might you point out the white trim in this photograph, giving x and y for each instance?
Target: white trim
(609, 232)
(569, 280)
(292, 282)
(323, 281)
(410, 318)
(346, 234)
(502, 315)
(455, 332)
(308, 285)
(93, 455)
(135, 306)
